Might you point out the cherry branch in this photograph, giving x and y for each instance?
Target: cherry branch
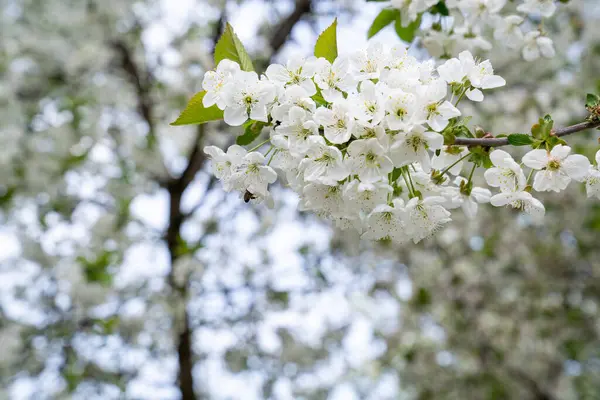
(497, 142)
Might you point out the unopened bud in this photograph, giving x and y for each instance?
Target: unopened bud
(480, 132)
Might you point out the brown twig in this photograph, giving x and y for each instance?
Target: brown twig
(497, 142)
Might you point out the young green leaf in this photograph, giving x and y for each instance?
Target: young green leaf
(383, 19)
(543, 128)
(251, 132)
(196, 113)
(407, 33)
(230, 47)
(592, 100)
(326, 45)
(519, 139)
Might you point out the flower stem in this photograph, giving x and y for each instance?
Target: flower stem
(471, 174)
(453, 164)
(272, 155)
(268, 151)
(462, 94)
(529, 177)
(258, 146)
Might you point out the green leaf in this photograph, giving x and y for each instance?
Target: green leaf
(592, 100)
(407, 33)
(196, 113)
(440, 8)
(326, 45)
(396, 174)
(318, 98)
(480, 156)
(520, 139)
(383, 19)
(252, 131)
(543, 128)
(230, 47)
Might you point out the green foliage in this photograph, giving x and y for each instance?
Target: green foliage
(440, 8)
(396, 174)
(407, 33)
(480, 156)
(383, 19)
(543, 128)
(592, 100)
(543, 132)
(520, 139)
(96, 270)
(326, 45)
(230, 47)
(252, 130)
(107, 326)
(196, 113)
(422, 298)
(319, 99)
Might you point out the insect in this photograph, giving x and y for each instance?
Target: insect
(248, 196)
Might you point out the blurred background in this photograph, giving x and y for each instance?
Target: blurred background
(127, 273)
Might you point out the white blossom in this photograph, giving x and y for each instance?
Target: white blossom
(592, 181)
(324, 163)
(247, 97)
(413, 146)
(215, 81)
(297, 71)
(506, 173)
(337, 122)
(556, 168)
(536, 46)
(545, 8)
(367, 159)
(520, 200)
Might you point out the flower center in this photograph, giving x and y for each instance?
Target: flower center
(415, 142)
(253, 168)
(371, 107)
(325, 158)
(432, 109)
(371, 157)
(553, 165)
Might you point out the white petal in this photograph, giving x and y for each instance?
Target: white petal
(475, 95)
(481, 195)
(497, 157)
(501, 199)
(536, 159)
(492, 81)
(235, 116)
(577, 166)
(469, 207)
(560, 151)
(435, 140)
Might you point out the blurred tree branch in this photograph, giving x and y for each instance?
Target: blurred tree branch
(284, 28)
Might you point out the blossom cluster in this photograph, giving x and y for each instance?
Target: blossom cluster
(514, 24)
(361, 140)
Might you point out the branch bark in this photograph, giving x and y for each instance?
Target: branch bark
(284, 28)
(142, 81)
(497, 142)
(177, 186)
